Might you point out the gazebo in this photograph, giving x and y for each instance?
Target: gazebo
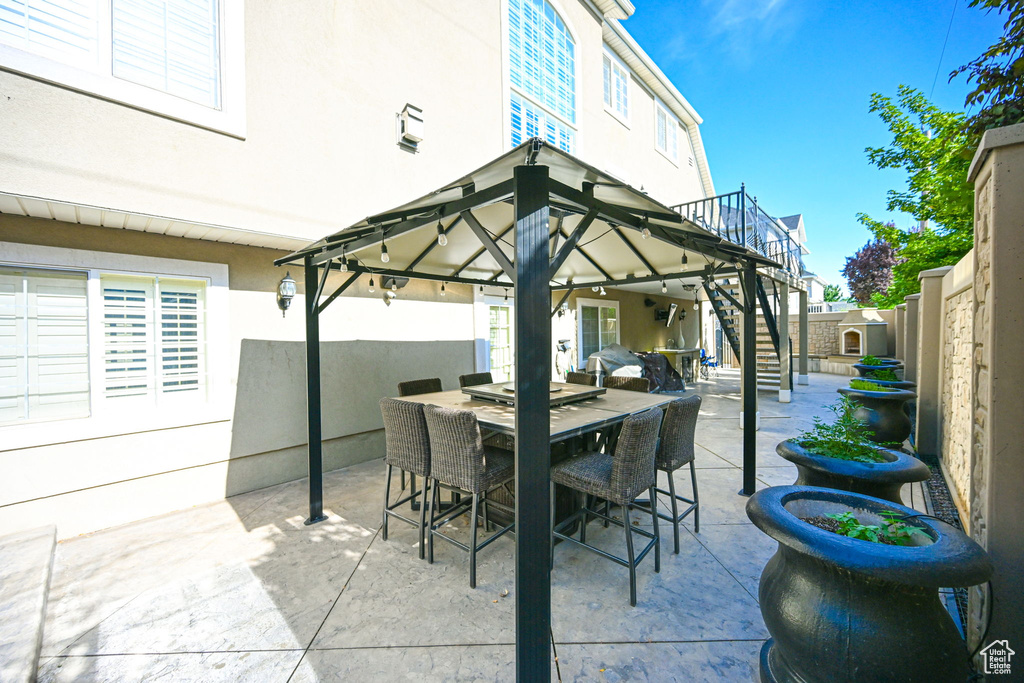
(541, 222)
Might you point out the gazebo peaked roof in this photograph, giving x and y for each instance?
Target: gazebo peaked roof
(601, 231)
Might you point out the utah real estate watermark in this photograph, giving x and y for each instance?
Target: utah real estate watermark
(997, 655)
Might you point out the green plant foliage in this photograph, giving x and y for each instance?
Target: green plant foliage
(865, 385)
(998, 74)
(870, 360)
(846, 438)
(895, 531)
(832, 293)
(936, 189)
(884, 375)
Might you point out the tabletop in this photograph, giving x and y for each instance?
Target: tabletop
(569, 420)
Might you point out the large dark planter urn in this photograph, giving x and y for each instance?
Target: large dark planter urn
(865, 370)
(882, 412)
(843, 610)
(878, 479)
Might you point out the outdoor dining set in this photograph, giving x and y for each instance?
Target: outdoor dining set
(607, 445)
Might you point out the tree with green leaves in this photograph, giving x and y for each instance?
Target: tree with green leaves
(932, 146)
(998, 74)
(832, 293)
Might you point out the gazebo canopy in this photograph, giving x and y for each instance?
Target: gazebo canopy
(601, 231)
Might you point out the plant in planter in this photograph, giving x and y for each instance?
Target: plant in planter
(841, 455)
(870, 364)
(881, 409)
(845, 608)
(887, 378)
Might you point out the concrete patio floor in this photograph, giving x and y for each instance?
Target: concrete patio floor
(241, 590)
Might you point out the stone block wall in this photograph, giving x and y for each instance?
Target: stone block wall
(957, 419)
(822, 333)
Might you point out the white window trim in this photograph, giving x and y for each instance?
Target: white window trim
(228, 119)
(507, 87)
(670, 118)
(108, 423)
(624, 120)
(601, 303)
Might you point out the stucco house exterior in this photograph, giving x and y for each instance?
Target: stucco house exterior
(157, 157)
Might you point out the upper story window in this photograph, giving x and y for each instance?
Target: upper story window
(178, 58)
(542, 73)
(666, 131)
(616, 87)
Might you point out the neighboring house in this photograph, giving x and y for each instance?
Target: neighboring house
(157, 156)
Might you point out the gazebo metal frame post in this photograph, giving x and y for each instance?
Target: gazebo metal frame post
(533, 424)
(749, 379)
(313, 287)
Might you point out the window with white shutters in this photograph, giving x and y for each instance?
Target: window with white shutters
(542, 73)
(166, 56)
(154, 340)
(170, 45)
(44, 345)
(666, 132)
(616, 87)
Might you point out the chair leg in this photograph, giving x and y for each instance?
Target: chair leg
(551, 541)
(472, 540)
(423, 513)
(402, 479)
(675, 509)
(586, 518)
(632, 557)
(657, 533)
(696, 499)
(387, 499)
(430, 521)
(483, 504)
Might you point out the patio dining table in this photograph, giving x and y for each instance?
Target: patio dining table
(567, 419)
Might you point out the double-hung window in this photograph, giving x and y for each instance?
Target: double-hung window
(542, 75)
(598, 323)
(170, 57)
(666, 131)
(81, 343)
(616, 87)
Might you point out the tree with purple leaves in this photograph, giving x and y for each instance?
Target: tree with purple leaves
(869, 272)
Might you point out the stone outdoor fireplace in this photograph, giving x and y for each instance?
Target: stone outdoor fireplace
(861, 332)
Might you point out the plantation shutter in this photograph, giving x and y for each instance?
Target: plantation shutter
(169, 45)
(154, 337)
(44, 349)
(65, 30)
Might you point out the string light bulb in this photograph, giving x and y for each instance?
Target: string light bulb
(442, 289)
(506, 295)
(344, 262)
(384, 256)
(684, 259)
(646, 230)
(394, 285)
(664, 287)
(711, 285)
(371, 285)
(442, 239)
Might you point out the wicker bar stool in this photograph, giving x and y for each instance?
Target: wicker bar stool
(461, 462)
(628, 383)
(675, 449)
(619, 480)
(475, 379)
(407, 447)
(412, 388)
(581, 378)
(419, 386)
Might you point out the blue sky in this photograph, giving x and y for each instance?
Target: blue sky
(783, 87)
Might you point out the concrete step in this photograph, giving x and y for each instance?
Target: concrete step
(26, 561)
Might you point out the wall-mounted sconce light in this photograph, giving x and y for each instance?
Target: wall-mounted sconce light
(388, 297)
(285, 293)
(563, 309)
(410, 127)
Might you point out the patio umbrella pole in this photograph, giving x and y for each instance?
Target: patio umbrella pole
(314, 431)
(533, 424)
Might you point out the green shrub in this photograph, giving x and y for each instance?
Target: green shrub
(884, 375)
(894, 531)
(865, 385)
(847, 438)
(870, 360)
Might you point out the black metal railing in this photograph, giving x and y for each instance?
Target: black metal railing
(738, 218)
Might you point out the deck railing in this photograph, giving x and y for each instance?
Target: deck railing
(738, 218)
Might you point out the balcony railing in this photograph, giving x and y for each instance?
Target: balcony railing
(738, 218)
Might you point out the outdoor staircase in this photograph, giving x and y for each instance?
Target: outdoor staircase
(730, 318)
